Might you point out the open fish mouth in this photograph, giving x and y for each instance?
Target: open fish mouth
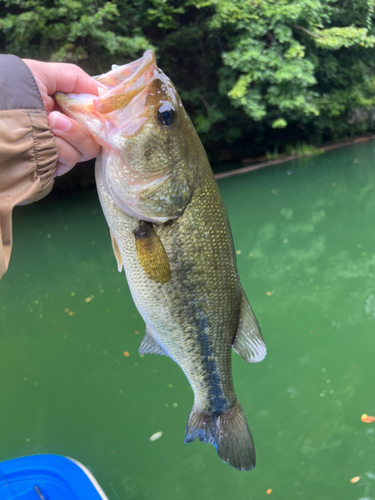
(128, 72)
(123, 84)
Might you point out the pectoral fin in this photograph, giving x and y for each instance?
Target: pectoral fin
(151, 253)
(149, 344)
(249, 343)
(117, 253)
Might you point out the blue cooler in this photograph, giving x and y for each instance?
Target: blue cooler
(47, 477)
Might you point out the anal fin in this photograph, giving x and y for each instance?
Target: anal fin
(249, 343)
(149, 344)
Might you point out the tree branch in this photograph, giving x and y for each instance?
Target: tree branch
(306, 31)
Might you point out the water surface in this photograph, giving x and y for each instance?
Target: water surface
(305, 239)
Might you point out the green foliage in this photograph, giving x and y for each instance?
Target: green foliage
(279, 123)
(68, 30)
(254, 75)
(165, 14)
(273, 56)
(302, 149)
(335, 38)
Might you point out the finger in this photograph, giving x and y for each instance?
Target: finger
(64, 77)
(53, 77)
(62, 169)
(68, 156)
(75, 134)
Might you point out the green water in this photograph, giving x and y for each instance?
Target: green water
(305, 238)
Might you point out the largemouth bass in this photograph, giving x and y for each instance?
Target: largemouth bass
(171, 233)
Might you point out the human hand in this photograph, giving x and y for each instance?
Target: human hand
(74, 142)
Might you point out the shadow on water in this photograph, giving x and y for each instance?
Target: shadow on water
(305, 244)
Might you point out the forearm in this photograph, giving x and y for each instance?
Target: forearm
(28, 152)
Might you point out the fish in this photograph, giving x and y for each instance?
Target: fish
(170, 233)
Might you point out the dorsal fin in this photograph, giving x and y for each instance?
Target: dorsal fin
(249, 343)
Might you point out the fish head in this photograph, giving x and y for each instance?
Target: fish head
(150, 146)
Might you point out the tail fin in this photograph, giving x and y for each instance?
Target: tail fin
(227, 431)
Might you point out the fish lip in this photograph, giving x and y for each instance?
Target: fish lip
(147, 61)
(119, 72)
(139, 74)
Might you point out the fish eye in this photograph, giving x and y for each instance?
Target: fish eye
(166, 114)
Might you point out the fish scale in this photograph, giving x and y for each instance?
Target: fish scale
(171, 233)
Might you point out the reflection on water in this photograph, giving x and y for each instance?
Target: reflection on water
(73, 383)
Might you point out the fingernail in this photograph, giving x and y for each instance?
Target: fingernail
(59, 122)
(62, 169)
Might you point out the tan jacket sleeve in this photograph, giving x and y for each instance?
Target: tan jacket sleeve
(28, 152)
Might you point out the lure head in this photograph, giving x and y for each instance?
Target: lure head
(150, 146)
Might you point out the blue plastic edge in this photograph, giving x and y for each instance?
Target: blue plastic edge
(71, 473)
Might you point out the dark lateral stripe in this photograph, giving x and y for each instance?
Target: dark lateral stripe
(212, 378)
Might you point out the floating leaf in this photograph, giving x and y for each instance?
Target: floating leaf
(156, 436)
(367, 419)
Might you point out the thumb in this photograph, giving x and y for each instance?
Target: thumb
(61, 77)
